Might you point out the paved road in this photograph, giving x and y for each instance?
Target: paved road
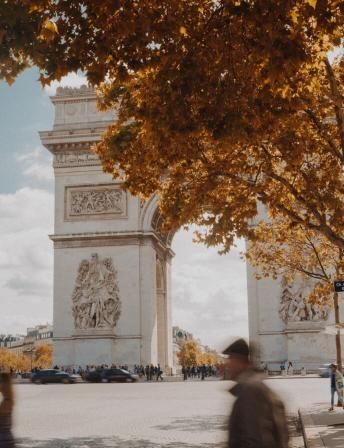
(141, 415)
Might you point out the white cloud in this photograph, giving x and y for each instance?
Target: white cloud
(209, 295)
(26, 259)
(36, 165)
(71, 80)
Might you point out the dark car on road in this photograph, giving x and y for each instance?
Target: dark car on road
(53, 376)
(109, 375)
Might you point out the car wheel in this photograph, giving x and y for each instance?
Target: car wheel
(65, 381)
(128, 380)
(38, 381)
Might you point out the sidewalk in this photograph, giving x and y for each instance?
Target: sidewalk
(322, 429)
(290, 377)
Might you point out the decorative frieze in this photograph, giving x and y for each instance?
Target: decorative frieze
(74, 159)
(95, 202)
(96, 302)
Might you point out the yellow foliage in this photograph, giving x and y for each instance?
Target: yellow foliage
(183, 31)
(12, 361)
(208, 358)
(236, 113)
(49, 30)
(312, 3)
(43, 356)
(189, 354)
(281, 249)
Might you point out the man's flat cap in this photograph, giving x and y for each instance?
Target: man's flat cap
(238, 347)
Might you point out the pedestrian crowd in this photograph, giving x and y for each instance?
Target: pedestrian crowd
(285, 368)
(150, 372)
(202, 371)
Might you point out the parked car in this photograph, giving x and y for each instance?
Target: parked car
(53, 376)
(108, 375)
(324, 370)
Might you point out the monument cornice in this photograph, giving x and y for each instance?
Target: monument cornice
(290, 331)
(67, 140)
(95, 336)
(103, 239)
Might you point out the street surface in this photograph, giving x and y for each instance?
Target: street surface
(172, 414)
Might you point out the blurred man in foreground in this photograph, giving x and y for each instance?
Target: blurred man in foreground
(258, 417)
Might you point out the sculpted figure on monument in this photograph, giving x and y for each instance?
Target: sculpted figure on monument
(96, 302)
(294, 306)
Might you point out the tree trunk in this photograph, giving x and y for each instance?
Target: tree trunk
(337, 322)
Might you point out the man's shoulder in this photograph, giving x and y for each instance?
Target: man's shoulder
(254, 385)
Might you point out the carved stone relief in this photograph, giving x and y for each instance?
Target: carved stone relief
(99, 201)
(294, 306)
(96, 302)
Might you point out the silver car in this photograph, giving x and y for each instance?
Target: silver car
(324, 370)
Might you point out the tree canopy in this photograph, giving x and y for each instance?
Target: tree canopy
(189, 354)
(222, 104)
(296, 254)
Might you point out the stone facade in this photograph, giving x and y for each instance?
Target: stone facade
(285, 327)
(112, 292)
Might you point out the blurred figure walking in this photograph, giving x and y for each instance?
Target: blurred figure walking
(6, 410)
(258, 417)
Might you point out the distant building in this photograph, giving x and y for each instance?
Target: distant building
(180, 335)
(35, 336)
(8, 340)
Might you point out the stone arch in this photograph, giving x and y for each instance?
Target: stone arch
(147, 213)
(151, 220)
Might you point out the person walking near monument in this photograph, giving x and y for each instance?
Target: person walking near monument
(147, 370)
(258, 418)
(6, 410)
(336, 382)
(203, 372)
(151, 372)
(185, 374)
(159, 373)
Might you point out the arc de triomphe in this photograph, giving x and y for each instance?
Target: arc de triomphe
(112, 300)
(112, 268)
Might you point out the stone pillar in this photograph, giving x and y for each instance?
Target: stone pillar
(105, 248)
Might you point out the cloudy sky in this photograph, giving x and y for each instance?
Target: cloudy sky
(209, 290)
